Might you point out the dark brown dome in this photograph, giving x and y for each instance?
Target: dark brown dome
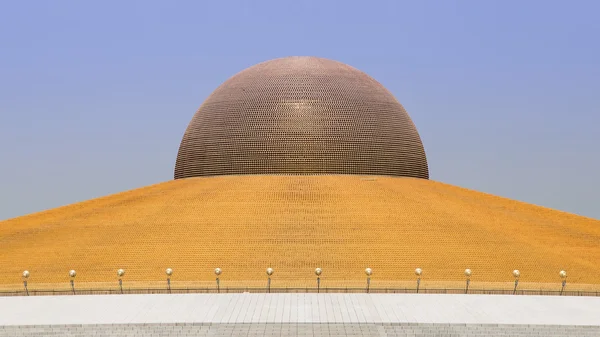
(301, 115)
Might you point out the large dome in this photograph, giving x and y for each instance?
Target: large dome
(301, 115)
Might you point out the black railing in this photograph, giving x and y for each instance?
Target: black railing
(222, 290)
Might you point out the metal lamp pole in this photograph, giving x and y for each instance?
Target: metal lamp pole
(269, 273)
(369, 272)
(468, 275)
(169, 273)
(418, 272)
(120, 274)
(563, 276)
(218, 272)
(25, 277)
(72, 275)
(318, 272)
(516, 274)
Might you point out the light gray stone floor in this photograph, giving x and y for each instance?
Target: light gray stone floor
(300, 308)
(299, 315)
(303, 329)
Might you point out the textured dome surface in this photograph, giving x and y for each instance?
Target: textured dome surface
(301, 115)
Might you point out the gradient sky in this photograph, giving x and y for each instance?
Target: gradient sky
(95, 95)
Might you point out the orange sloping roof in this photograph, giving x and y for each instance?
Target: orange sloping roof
(341, 223)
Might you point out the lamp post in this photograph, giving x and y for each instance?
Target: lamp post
(369, 272)
(468, 275)
(25, 277)
(72, 274)
(169, 273)
(418, 272)
(270, 272)
(218, 272)
(516, 274)
(563, 276)
(318, 272)
(120, 274)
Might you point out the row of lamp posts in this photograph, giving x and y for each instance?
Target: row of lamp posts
(318, 271)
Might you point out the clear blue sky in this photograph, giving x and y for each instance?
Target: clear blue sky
(95, 95)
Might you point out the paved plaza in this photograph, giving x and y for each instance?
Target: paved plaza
(300, 315)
